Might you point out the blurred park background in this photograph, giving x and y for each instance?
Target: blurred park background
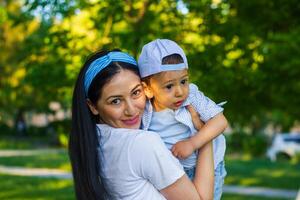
(244, 52)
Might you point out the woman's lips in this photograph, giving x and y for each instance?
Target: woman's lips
(132, 121)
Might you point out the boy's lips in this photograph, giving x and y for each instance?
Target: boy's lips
(132, 121)
(178, 103)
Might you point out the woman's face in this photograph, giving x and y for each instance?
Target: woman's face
(122, 101)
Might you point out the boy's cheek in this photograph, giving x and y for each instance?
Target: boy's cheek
(149, 95)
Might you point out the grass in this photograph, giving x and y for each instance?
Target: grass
(243, 197)
(262, 172)
(25, 188)
(53, 160)
(241, 171)
(29, 188)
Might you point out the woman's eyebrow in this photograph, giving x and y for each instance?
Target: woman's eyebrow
(114, 96)
(119, 96)
(138, 85)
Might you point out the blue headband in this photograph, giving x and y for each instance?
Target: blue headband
(99, 64)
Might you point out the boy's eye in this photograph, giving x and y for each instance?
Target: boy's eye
(115, 101)
(169, 86)
(184, 81)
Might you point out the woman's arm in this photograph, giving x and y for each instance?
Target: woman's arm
(156, 164)
(203, 187)
(203, 183)
(183, 188)
(204, 176)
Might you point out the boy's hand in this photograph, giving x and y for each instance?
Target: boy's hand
(183, 149)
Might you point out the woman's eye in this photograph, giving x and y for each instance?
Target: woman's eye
(137, 92)
(115, 101)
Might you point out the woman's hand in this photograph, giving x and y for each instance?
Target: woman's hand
(204, 176)
(195, 117)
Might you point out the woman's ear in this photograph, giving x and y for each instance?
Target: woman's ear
(147, 90)
(92, 107)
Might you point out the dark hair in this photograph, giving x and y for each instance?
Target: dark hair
(83, 141)
(172, 59)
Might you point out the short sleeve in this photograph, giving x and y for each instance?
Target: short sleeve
(203, 105)
(154, 162)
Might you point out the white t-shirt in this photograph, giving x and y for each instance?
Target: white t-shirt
(135, 164)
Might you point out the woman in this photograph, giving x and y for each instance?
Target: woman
(111, 158)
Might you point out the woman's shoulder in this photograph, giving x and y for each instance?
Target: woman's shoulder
(138, 136)
(147, 142)
(104, 128)
(148, 136)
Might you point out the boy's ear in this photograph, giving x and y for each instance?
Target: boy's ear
(92, 107)
(147, 90)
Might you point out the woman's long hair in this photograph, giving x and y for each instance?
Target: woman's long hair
(83, 141)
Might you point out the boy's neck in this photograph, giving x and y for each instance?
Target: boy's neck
(158, 108)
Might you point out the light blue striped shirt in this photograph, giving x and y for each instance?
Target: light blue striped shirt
(171, 132)
(206, 108)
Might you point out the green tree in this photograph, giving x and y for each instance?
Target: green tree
(243, 52)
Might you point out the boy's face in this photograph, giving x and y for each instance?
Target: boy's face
(168, 89)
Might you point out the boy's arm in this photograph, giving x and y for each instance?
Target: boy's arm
(210, 130)
(210, 113)
(184, 148)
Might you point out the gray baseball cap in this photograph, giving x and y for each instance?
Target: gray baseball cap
(150, 60)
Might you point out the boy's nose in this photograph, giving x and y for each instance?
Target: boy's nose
(178, 91)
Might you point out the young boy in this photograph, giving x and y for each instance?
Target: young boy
(163, 69)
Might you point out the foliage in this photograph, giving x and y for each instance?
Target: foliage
(16, 141)
(243, 52)
(55, 134)
(61, 130)
(6, 130)
(252, 145)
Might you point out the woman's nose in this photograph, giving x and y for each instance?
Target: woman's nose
(129, 109)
